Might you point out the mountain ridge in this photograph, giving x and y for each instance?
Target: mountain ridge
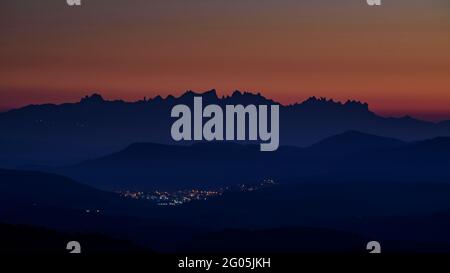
(97, 98)
(68, 133)
(149, 166)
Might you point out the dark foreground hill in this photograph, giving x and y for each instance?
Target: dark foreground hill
(301, 240)
(342, 213)
(19, 239)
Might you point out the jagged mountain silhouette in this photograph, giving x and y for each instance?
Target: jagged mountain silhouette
(70, 132)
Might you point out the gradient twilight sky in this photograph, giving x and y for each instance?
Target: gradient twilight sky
(395, 57)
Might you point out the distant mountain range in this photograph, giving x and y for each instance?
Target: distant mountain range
(71, 132)
(351, 155)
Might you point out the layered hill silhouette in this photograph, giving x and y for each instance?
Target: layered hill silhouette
(71, 132)
(339, 166)
(362, 184)
(78, 212)
(354, 142)
(351, 155)
(37, 190)
(353, 211)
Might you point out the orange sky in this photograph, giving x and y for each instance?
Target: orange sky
(395, 57)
